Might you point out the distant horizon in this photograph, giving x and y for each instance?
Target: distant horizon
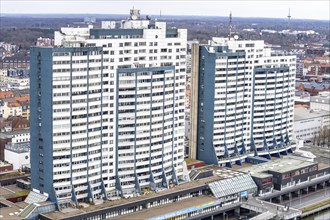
(281, 9)
(153, 15)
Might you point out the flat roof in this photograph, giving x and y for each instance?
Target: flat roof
(22, 147)
(11, 210)
(323, 166)
(168, 208)
(282, 165)
(192, 161)
(219, 174)
(303, 113)
(4, 191)
(10, 189)
(321, 99)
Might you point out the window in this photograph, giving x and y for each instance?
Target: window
(286, 176)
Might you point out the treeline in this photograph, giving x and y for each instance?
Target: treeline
(24, 31)
(322, 138)
(24, 37)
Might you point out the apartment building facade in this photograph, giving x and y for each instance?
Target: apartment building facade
(242, 101)
(107, 111)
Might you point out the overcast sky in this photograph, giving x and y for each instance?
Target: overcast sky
(302, 9)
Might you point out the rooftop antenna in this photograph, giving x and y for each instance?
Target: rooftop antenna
(230, 25)
(289, 17)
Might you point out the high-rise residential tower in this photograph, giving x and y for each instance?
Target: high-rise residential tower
(107, 110)
(242, 101)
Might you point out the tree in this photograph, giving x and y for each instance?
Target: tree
(322, 138)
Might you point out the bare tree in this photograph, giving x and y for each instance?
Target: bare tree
(327, 138)
(322, 138)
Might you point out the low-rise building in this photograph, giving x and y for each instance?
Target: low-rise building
(6, 94)
(282, 173)
(314, 87)
(10, 108)
(8, 46)
(14, 137)
(13, 123)
(215, 190)
(15, 82)
(18, 60)
(16, 105)
(308, 123)
(45, 42)
(18, 154)
(320, 102)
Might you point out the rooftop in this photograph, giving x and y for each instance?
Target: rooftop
(10, 210)
(282, 165)
(322, 99)
(22, 147)
(192, 161)
(303, 113)
(219, 174)
(6, 94)
(168, 208)
(316, 85)
(18, 56)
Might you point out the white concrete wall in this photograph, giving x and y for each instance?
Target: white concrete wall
(11, 111)
(320, 106)
(17, 159)
(306, 129)
(19, 138)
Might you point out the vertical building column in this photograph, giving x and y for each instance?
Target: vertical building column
(194, 101)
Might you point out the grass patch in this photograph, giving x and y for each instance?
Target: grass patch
(189, 160)
(315, 206)
(11, 174)
(17, 194)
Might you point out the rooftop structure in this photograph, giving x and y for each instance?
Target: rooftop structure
(10, 210)
(320, 102)
(33, 204)
(279, 174)
(22, 147)
(11, 133)
(282, 165)
(303, 113)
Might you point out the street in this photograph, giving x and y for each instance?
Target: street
(310, 199)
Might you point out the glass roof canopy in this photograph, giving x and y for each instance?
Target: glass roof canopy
(232, 186)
